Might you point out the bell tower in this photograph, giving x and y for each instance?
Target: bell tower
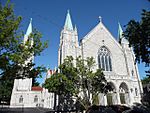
(27, 38)
(68, 41)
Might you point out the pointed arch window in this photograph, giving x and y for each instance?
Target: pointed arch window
(104, 59)
(21, 99)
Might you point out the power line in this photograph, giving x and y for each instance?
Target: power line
(44, 19)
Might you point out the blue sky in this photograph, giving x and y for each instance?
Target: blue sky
(49, 16)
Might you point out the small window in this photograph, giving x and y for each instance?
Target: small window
(132, 72)
(42, 100)
(21, 99)
(35, 98)
(136, 92)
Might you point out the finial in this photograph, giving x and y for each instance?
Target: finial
(30, 19)
(100, 19)
(75, 28)
(68, 10)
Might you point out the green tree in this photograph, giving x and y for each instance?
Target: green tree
(14, 53)
(78, 81)
(138, 34)
(146, 95)
(146, 80)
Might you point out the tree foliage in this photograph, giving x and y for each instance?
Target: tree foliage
(146, 80)
(146, 91)
(138, 34)
(78, 80)
(14, 52)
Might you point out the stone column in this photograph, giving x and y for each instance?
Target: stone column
(105, 100)
(52, 100)
(131, 96)
(101, 99)
(118, 97)
(127, 98)
(114, 98)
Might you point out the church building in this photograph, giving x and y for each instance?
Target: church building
(115, 58)
(26, 95)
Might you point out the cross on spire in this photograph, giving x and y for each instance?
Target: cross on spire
(100, 19)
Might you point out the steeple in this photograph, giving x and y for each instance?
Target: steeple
(68, 41)
(75, 29)
(122, 39)
(26, 38)
(28, 32)
(68, 22)
(120, 32)
(29, 29)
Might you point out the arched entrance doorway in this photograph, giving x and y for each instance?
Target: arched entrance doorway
(111, 96)
(124, 93)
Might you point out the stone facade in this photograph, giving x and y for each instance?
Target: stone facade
(24, 95)
(121, 71)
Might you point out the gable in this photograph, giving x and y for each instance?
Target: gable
(100, 29)
(98, 37)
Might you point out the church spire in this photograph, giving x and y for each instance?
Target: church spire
(68, 22)
(120, 32)
(122, 39)
(26, 38)
(29, 30)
